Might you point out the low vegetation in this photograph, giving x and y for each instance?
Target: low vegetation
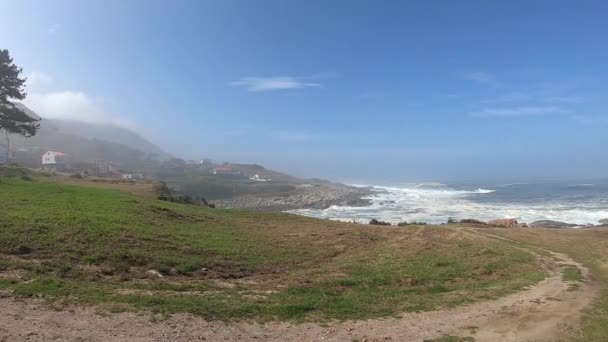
(83, 245)
(589, 246)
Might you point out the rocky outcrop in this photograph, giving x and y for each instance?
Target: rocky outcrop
(378, 223)
(314, 197)
(552, 224)
(505, 223)
(471, 221)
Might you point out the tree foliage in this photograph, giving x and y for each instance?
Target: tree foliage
(12, 87)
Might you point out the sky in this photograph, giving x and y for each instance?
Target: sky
(359, 91)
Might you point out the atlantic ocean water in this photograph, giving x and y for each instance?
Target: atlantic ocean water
(581, 203)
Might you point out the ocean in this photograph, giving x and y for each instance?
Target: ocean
(581, 203)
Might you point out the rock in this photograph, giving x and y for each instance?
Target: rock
(154, 274)
(506, 223)
(472, 221)
(604, 221)
(379, 223)
(552, 224)
(107, 270)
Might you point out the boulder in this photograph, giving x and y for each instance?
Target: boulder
(552, 224)
(506, 223)
(472, 221)
(379, 223)
(153, 274)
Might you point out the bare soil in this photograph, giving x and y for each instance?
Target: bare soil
(547, 311)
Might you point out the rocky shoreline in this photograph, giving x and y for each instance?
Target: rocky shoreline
(304, 197)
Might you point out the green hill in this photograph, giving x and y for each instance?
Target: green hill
(79, 245)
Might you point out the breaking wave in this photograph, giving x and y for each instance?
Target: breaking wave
(435, 203)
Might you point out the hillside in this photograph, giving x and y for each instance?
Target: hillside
(108, 132)
(85, 142)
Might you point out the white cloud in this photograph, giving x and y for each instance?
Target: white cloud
(37, 81)
(519, 111)
(54, 28)
(481, 77)
(70, 105)
(294, 136)
(258, 84)
(565, 99)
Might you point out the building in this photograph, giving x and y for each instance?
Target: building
(257, 178)
(51, 160)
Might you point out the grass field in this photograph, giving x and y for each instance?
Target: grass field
(82, 245)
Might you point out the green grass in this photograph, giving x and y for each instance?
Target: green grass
(77, 245)
(572, 273)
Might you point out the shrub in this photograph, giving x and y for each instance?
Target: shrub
(379, 223)
(473, 221)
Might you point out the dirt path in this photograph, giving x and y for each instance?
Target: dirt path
(546, 311)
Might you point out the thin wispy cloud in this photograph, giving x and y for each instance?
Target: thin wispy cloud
(515, 96)
(259, 84)
(481, 77)
(519, 111)
(54, 28)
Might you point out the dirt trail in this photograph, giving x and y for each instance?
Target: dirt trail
(547, 311)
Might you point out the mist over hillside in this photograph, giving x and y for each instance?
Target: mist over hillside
(108, 132)
(85, 142)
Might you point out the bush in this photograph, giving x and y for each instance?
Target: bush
(473, 221)
(413, 223)
(76, 176)
(379, 223)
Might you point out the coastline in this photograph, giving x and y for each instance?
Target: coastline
(311, 197)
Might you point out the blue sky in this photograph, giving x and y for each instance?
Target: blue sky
(348, 90)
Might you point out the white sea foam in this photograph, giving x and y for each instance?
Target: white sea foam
(435, 204)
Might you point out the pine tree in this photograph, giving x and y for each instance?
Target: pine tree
(13, 120)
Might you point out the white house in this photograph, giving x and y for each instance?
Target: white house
(257, 178)
(50, 160)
